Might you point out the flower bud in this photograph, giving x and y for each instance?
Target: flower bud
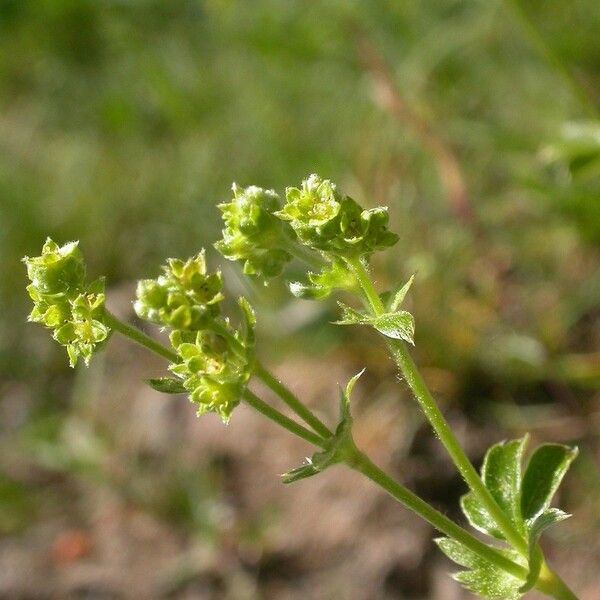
(184, 297)
(213, 375)
(327, 221)
(253, 234)
(59, 269)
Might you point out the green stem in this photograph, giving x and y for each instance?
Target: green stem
(359, 462)
(364, 465)
(434, 414)
(552, 585)
(314, 261)
(220, 329)
(291, 400)
(139, 337)
(262, 407)
(134, 334)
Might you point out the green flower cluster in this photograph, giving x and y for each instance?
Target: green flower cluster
(264, 235)
(215, 360)
(333, 223)
(184, 297)
(212, 373)
(63, 301)
(253, 234)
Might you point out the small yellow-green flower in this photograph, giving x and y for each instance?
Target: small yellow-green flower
(326, 220)
(184, 297)
(252, 233)
(64, 303)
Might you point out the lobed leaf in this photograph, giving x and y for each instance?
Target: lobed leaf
(397, 325)
(501, 473)
(483, 578)
(545, 470)
(536, 528)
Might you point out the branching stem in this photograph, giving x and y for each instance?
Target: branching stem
(429, 406)
(292, 401)
(139, 337)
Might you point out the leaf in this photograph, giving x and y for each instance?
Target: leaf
(545, 470)
(350, 386)
(351, 316)
(536, 528)
(337, 448)
(302, 472)
(483, 578)
(492, 583)
(459, 553)
(166, 385)
(398, 325)
(400, 295)
(478, 516)
(501, 474)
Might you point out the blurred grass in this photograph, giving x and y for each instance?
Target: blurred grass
(123, 124)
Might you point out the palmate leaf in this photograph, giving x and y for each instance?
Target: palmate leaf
(525, 499)
(483, 578)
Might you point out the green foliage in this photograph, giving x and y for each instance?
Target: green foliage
(148, 108)
(395, 324)
(335, 276)
(252, 233)
(339, 447)
(501, 474)
(64, 302)
(525, 499)
(166, 385)
(544, 473)
(483, 578)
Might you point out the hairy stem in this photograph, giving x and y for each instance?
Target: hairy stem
(359, 462)
(364, 465)
(139, 337)
(434, 414)
(552, 585)
(313, 260)
(262, 407)
(292, 401)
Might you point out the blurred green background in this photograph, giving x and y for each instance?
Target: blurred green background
(123, 123)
